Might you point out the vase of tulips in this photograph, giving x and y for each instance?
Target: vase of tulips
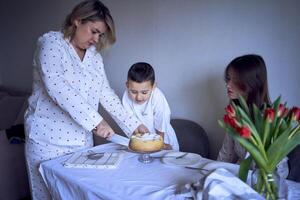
(260, 180)
(268, 134)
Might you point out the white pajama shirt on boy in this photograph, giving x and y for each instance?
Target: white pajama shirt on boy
(154, 114)
(63, 107)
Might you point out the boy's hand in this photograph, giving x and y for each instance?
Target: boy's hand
(141, 129)
(167, 147)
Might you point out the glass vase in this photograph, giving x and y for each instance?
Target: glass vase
(269, 184)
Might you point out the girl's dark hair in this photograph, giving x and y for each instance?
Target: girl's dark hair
(141, 72)
(251, 75)
(91, 11)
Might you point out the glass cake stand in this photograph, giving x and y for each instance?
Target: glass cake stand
(145, 156)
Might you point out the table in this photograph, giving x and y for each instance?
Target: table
(132, 180)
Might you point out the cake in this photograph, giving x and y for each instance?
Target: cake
(146, 142)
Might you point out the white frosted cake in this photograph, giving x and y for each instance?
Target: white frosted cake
(146, 142)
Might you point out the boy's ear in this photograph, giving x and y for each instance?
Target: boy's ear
(154, 86)
(127, 84)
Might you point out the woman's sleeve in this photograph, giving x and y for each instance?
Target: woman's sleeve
(112, 104)
(126, 103)
(227, 153)
(162, 112)
(50, 67)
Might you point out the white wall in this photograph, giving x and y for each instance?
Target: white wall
(189, 43)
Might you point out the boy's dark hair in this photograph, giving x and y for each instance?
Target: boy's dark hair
(141, 72)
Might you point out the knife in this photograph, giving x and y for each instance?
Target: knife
(118, 139)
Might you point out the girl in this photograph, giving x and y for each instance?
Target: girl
(247, 76)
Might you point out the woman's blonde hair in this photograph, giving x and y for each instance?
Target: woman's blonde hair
(91, 11)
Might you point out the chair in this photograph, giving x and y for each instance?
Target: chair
(13, 181)
(191, 137)
(294, 164)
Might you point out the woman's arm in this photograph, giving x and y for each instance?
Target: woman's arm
(112, 104)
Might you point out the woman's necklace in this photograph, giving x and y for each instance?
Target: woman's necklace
(80, 52)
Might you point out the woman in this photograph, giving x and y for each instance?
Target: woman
(247, 76)
(69, 81)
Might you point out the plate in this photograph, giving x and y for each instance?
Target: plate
(181, 158)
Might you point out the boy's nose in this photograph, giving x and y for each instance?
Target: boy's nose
(139, 97)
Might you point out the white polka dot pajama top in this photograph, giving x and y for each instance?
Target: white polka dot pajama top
(63, 107)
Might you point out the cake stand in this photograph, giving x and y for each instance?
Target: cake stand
(145, 156)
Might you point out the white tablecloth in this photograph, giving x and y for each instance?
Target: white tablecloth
(132, 179)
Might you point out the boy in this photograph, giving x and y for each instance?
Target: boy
(148, 103)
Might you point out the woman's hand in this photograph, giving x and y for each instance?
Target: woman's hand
(103, 130)
(141, 129)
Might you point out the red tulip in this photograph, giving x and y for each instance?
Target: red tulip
(230, 110)
(281, 110)
(231, 121)
(295, 114)
(270, 114)
(244, 131)
(226, 119)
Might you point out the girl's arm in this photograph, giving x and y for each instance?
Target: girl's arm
(227, 153)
